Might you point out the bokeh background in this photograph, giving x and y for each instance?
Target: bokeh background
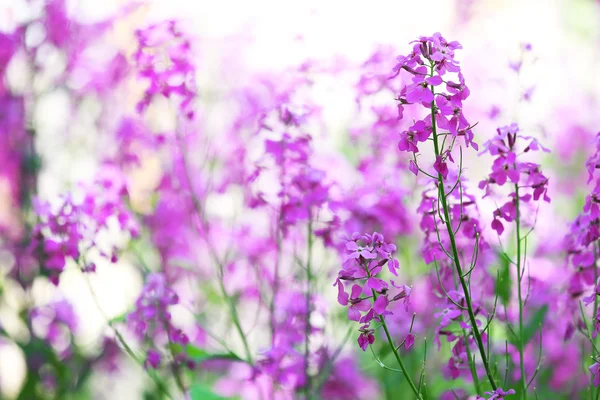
(555, 96)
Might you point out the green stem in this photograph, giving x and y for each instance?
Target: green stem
(593, 388)
(470, 355)
(174, 367)
(397, 355)
(276, 272)
(595, 279)
(214, 255)
(307, 326)
(456, 259)
(276, 278)
(161, 386)
(234, 316)
(472, 364)
(520, 295)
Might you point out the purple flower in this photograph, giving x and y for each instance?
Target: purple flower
(424, 89)
(594, 369)
(499, 394)
(367, 255)
(153, 358)
(366, 337)
(418, 91)
(380, 305)
(441, 167)
(497, 226)
(409, 341)
(166, 41)
(507, 166)
(55, 322)
(357, 304)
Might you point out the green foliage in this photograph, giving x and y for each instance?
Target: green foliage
(202, 392)
(535, 324)
(200, 355)
(503, 282)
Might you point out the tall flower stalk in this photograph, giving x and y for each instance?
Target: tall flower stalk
(529, 186)
(430, 64)
(455, 256)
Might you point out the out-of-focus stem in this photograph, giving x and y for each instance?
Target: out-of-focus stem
(276, 274)
(232, 309)
(214, 256)
(159, 383)
(307, 325)
(174, 367)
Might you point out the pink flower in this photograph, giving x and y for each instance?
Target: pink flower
(367, 256)
(499, 394)
(409, 341)
(594, 369)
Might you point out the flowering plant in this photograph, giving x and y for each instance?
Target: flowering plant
(195, 244)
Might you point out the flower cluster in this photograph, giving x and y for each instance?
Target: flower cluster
(55, 322)
(151, 319)
(527, 177)
(164, 57)
(581, 246)
(585, 230)
(433, 67)
(304, 190)
(69, 228)
(284, 361)
(367, 301)
(302, 186)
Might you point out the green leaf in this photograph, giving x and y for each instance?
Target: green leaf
(197, 354)
(118, 318)
(504, 283)
(535, 323)
(202, 392)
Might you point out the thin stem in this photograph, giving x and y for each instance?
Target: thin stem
(400, 363)
(455, 258)
(519, 294)
(539, 362)
(234, 315)
(397, 355)
(394, 349)
(307, 326)
(595, 279)
(595, 301)
(472, 366)
(174, 367)
(276, 276)
(587, 328)
(157, 381)
(278, 241)
(505, 362)
(213, 254)
(422, 377)
(325, 372)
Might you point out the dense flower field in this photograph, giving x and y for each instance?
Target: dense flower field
(223, 239)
